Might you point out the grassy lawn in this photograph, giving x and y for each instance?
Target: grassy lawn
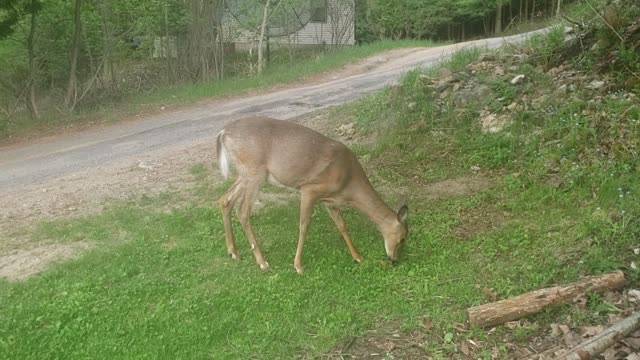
(277, 74)
(158, 283)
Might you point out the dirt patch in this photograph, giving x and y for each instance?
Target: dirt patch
(86, 192)
(461, 186)
(20, 264)
(479, 220)
(386, 342)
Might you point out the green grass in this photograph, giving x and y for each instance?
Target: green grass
(278, 74)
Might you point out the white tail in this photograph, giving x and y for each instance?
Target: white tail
(263, 149)
(221, 153)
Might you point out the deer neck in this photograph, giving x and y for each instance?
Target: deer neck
(368, 201)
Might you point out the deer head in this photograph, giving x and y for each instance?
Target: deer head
(395, 231)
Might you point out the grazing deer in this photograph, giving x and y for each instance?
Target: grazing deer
(322, 169)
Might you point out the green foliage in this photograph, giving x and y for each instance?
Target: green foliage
(458, 19)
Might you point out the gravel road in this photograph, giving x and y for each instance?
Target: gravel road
(37, 162)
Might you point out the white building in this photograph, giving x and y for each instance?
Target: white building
(332, 24)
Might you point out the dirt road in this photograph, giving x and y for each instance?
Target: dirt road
(74, 173)
(37, 162)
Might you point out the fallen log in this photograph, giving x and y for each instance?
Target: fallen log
(533, 302)
(601, 342)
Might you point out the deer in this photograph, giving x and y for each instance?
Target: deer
(323, 170)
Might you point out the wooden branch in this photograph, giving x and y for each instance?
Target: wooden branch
(533, 302)
(605, 21)
(601, 342)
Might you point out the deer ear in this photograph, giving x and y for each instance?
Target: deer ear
(402, 214)
(404, 201)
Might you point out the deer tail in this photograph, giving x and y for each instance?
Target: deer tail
(222, 154)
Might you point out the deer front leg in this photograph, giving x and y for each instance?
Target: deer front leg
(226, 202)
(306, 207)
(337, 218)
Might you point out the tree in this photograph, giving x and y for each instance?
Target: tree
(31, 103)
(263, 28)
(70, 98)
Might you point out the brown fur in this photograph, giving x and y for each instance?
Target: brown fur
(263, 149)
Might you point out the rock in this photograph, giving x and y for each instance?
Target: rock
(444, 72)
(346, 130)
(519, 79)
(445, 81)
(491, 123)
(596, 85)
(483, 92)
(145, 165)
(634, 295)
(512, 106)
(499, 71)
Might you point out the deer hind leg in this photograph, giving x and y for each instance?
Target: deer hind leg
(227, 201)
(337, 218)
(307, 200)
(244, 213)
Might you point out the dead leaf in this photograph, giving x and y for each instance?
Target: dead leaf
(490, 293)
(634, 356)
(427, 324)
(464, 348)
(609, 354)
(632, 342)
(580, 300)
(589, 331)
(555, 330)
(572, 339)
(461, 328)
(512, 324)
(564, 328)
(613, 297)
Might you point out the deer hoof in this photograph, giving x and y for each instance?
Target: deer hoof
(234, 256)
(265, 266)
(358, 259)
(299, 269)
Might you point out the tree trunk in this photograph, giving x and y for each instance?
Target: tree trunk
(262, 31)
(526, 10)
(498, 28)
(221, 35)
(533, 10)
(533, 302)
(109, 71)
(558, 8)
(520, 12)
(69, 100)
(31, 98)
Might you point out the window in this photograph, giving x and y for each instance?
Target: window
(318, 10)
